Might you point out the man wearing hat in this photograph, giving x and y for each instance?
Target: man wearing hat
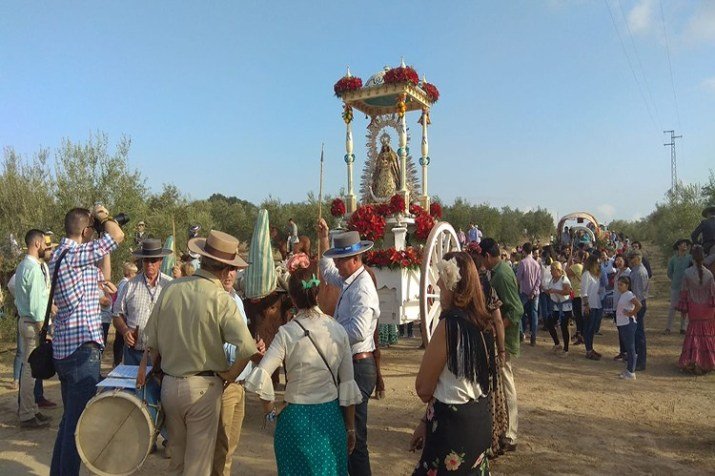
(358, 310)
(678, 263)
(190, 321)
(704, 234)
(138, 296)
(140, 235)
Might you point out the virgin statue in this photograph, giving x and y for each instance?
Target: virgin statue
(386, 175)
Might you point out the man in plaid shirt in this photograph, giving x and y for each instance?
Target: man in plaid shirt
(77, 339)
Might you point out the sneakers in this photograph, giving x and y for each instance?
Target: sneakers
(556, 348)
(626, 375)
(564, 354)
(45, 403)
(34, 423)
(620, 357)
(593, 355)
(42, 418)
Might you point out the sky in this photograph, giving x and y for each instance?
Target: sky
(554, 104)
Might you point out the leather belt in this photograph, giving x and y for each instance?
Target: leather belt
(206, 373)
(362, 355)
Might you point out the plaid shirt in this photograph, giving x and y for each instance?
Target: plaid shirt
(78, 317)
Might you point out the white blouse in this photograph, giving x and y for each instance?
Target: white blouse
(589, 290)
(308, 378)
(455, 391)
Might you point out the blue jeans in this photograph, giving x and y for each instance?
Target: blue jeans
(132, 356)
(366, 378)
(627, 336)
(640, 336)
(17, 368)
(589, 327)
(546, 307)
(531, 314)
(79, 375)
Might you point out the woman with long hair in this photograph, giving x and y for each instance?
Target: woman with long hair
(313, 435)
(591, 302)
(456, 376)
(697, 299)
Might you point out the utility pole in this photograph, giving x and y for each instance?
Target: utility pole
(673, 168)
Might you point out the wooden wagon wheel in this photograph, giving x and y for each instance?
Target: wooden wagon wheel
(442, 239)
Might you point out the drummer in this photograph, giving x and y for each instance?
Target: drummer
(134, 304)
(190, 322)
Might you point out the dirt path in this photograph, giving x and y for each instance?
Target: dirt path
(575, 415)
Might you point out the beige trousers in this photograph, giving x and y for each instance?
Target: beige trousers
(192, 408)
(233, 406)
(507, 374)
(29, 332)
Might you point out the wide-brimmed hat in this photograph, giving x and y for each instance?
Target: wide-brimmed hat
(708, 211)
(682, 240)
(348, 244)
(219, 246)
(151, 248)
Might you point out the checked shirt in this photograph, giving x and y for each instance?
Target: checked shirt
(136, 301)
(77, 294)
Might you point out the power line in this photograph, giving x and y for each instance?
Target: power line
(670, 65)
(630, 65)
(640, 64)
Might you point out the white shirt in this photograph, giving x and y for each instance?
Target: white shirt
(358, 307)
(230, 349)
(589, 290)
(308, 378)
(453, 390)
(560, 298)
(625, 305)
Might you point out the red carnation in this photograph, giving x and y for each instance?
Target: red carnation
(435, 209)
(346, 84)
(401, 74)
(337, 208)
(431, 91)
(397, 204)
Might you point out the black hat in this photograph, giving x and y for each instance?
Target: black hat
(151, 248)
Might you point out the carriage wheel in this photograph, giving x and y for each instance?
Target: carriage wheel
(442, 239)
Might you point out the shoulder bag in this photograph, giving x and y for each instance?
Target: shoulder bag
(41, 361)
(307, 334)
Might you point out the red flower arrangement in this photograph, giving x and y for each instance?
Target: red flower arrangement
(401, 74)
(416, 209)
(346, 84)
(337, 208)
(369, 224)
(431, 91)
(397, 204)
(424, 224)
(435, 209)
(390, 258)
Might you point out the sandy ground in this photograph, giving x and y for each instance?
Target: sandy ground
(575, 415)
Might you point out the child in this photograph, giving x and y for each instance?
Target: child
(626, 310)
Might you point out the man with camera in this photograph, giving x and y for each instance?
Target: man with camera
(90, 238)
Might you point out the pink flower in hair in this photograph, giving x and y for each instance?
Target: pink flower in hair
(298, 261)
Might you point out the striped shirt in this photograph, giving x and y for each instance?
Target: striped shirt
(77, 294)
(136, 302)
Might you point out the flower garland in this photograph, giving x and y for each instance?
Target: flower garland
(424, 224)
(347, 84)
(369, 220)
(431, 91)
(397, 204)
(401, 74)
(410, 257)
(337, 208)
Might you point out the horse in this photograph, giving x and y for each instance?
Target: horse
(280, 241)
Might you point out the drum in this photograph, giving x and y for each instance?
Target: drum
(117, 430)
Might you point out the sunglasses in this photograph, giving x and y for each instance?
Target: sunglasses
(152, 260)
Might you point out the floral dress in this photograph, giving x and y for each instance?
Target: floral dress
(458, 436)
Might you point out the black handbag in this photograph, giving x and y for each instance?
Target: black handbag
(40, 359)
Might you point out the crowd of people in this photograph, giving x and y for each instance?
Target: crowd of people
(191, 328)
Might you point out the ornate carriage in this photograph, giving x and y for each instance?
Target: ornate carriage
(395, 208)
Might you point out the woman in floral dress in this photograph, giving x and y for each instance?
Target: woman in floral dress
(456, 376)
